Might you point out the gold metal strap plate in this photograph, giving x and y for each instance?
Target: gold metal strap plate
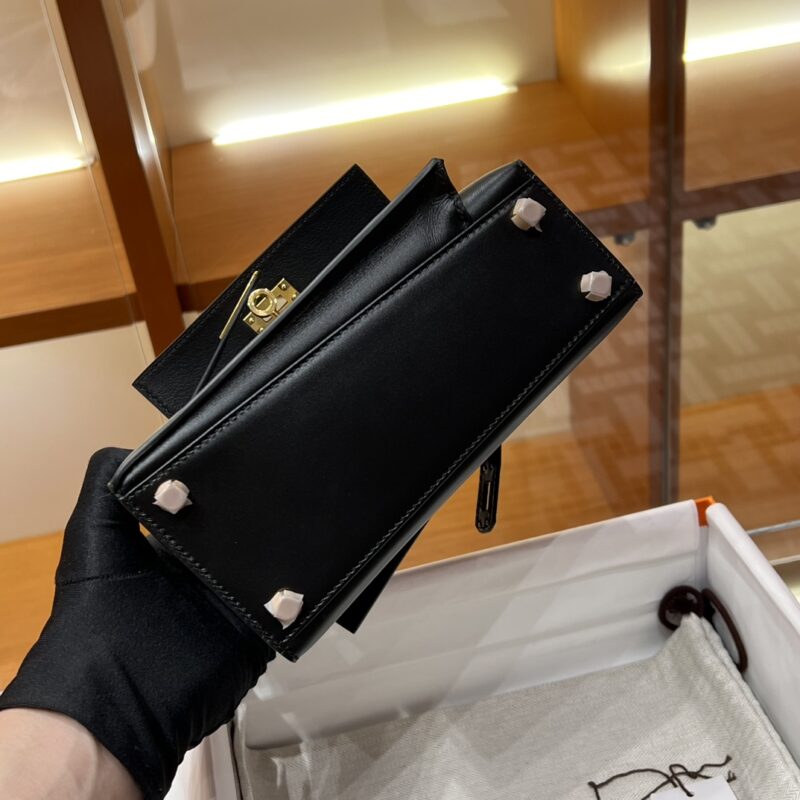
(264, 305)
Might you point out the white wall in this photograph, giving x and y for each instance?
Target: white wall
(60, 400)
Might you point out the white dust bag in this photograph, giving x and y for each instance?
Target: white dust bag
(686, 706)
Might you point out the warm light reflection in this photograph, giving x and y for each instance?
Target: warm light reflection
(726, 44)
(44, 165)
(384, 105)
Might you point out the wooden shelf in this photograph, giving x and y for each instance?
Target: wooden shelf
(62, 264)
(57, 246)
(64, 268)
(231, 201)
(742, 117)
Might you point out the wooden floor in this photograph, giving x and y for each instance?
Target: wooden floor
(26, 592)
(547, 486)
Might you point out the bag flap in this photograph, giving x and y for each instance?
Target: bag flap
(299, 255)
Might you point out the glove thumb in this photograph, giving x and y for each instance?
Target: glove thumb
(101, 537)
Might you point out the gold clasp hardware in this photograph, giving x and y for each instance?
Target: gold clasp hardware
(266, 304)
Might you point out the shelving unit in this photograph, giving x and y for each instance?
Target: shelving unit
(63, 265)
(587, 135)
(230, 201)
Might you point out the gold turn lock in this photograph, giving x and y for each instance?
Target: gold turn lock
(265, 304)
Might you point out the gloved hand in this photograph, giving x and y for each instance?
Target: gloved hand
(136, 649)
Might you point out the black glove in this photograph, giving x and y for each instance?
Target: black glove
(136, 649)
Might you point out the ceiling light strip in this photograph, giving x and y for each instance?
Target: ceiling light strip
(22, 168)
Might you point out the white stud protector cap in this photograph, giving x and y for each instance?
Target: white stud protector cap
(172, 496)
(527, 213)
(285, 606)
(596, 285)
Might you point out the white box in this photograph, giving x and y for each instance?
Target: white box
(520, 615)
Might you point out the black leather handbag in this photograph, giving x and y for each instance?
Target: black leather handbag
(338, 392)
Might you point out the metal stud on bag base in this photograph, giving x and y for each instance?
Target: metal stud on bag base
(172, 496)
(285, 606)
(527, 213)
(596, 286)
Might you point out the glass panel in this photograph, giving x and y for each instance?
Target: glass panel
(740, 368)
(740, 332)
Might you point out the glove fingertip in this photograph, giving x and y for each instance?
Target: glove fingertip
(101, 537)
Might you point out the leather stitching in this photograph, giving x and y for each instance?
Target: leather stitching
(204, 319)
(282, 643)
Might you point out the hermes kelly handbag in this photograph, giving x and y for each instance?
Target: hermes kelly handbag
(338, 392)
